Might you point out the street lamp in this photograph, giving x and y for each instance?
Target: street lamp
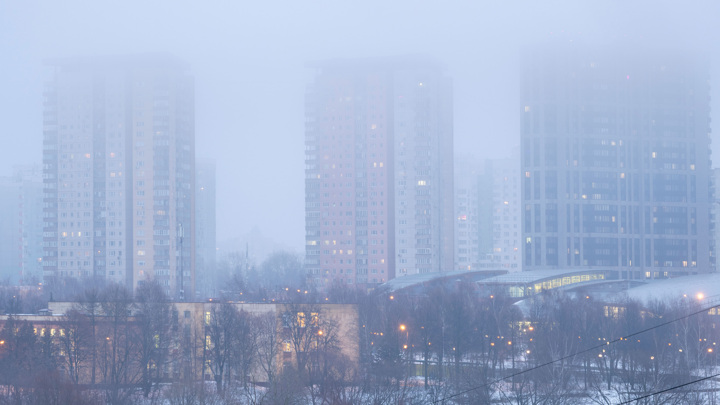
(403, 328)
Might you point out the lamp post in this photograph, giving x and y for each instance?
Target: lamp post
(711, 352)
(404, 328)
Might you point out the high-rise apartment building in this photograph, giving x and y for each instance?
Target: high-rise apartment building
(205, 236)
(506, 213)
(118, 168)
(487, 206)
(616, 162)
(21, 225)
(378, 184)
(468, 176)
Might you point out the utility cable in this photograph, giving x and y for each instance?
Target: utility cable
(575, 354)
(669, 389)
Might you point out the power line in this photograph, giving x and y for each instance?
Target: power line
(576, 354)
(670, 389)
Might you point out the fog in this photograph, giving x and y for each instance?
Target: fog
(250, 66)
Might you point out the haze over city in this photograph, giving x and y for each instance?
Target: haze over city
(250, 60)
(405, 202)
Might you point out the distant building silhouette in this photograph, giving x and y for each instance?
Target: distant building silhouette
(487, 207)
(205, 235)
(21, 225)
(616, 162)
(379, 172)
(469, 214)
(119, 167)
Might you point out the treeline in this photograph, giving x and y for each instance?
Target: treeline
(117, 348)
(452, 346)
(448, 345)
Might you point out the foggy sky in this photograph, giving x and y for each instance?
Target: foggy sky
(249, 63)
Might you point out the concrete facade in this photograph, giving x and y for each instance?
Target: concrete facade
(378, 175)
(118, 168)
(616, 162)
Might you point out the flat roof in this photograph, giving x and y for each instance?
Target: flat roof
(704, 287)
(398, 283)
(534, 276)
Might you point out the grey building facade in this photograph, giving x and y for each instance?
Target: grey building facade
(616, 162)
(379, 171)
(21, 225)
(118, 172)
(487, 200)
(205, 227)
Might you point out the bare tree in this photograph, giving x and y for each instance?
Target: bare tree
(153, 320)
(220, 340)
(118, 352)
(268, 344)
(244, 346)
(75, 343)
(300, 327)
(89, 304)
(18, 352)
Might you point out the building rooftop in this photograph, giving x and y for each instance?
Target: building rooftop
(415, 280)
(534, 276)
(704, 287)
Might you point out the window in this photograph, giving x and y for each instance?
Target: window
(301, 319)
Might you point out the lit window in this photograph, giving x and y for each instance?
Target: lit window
(301, 319)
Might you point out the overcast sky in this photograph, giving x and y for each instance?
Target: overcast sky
(249, 64)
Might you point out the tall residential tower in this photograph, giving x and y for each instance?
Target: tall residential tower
(487, 201)
(616, 162)
(21, 225)
(118, 168)
(205, 235)
(379, 173)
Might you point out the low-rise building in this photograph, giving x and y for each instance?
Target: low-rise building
(288, 335)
